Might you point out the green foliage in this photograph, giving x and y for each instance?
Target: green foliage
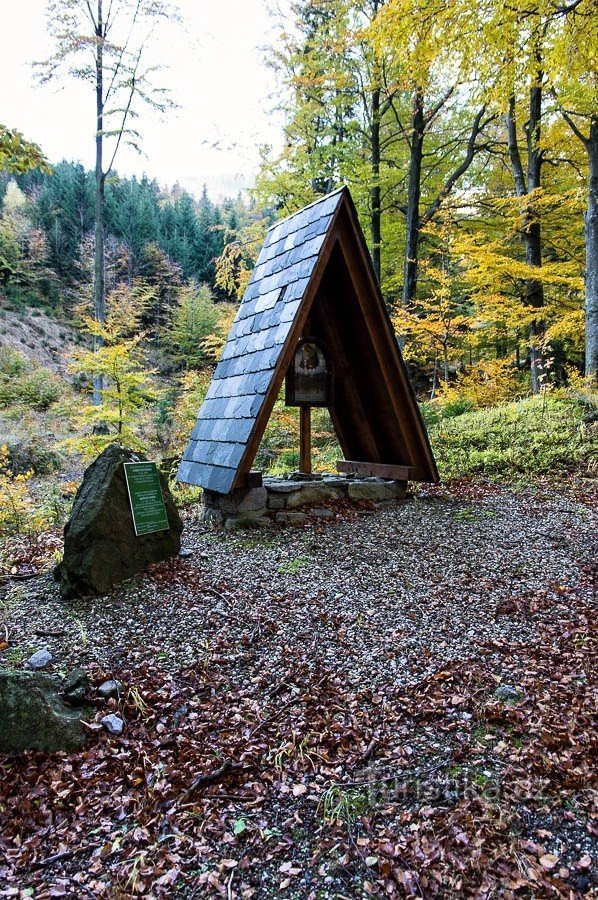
(279, 449)
(28, 508)
(194, 318)
(164, 237)
(25, 383)
(119, 358)
(340, 804)
(486, 383)
(542, 435)
(18, 154)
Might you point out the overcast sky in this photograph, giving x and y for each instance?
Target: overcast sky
(218, 77)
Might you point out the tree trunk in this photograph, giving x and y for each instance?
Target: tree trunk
(375, 226)
(532, 233)
(413, 198)
(533, 236)
(99, 288)
(591, 228)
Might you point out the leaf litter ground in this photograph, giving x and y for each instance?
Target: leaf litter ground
(313, 712)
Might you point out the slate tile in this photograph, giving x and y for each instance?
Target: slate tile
(238, 430)
(225, 367)
(219, 479)
(251, 292)
(188, 473)
(205, 409)
(223, 455)
(329, 205)
(289, 311)
(267, 301)
(228, 351)
(261, 382)
(236, 407)
(296, 290)
(320, 226)
(202, 431)
(313, 246)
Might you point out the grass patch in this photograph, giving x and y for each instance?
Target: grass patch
(537, 436)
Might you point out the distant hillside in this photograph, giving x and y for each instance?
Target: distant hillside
(37, 336)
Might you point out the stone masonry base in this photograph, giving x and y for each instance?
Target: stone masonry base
(282, 500)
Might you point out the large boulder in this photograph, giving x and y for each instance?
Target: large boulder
(34, 717)
(100, 544)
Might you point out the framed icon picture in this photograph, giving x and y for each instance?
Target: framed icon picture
(308, 378)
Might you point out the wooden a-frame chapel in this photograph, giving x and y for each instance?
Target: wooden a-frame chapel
(313, 287)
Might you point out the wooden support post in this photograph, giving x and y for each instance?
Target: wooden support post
(305, 439)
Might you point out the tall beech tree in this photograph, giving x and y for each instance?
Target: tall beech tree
(573, 67)
(528, 56)
(105, 44)
(369, 104)
(442, 143)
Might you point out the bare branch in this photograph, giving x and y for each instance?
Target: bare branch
(472, 149)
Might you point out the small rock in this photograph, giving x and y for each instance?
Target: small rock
(250, 520)
(110, 688)
(185, 552)
(276, 501)
(376, 490)
(507, 692)
(40, 659)
(313, 493)
(583, 884)
(322, 513)
(291, 518)
(113, 724)
(303, 476)
(74, 686)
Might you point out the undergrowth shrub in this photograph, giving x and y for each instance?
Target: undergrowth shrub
(536, 436)
(490, 382)
(28, 454)
(17, 505)
(23, 382)
(29, 506)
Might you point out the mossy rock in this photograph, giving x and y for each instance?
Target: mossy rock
(101, 548)
(33, 715)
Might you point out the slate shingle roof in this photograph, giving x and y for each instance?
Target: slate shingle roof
(261, 327)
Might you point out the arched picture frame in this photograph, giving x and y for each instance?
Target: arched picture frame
(308, 381)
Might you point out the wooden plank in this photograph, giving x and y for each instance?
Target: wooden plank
(305, 439)
(379, 470)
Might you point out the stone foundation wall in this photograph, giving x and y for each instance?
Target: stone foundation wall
(282, 499)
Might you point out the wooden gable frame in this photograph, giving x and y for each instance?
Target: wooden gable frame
(313, 278)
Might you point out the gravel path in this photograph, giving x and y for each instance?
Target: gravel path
(387, 595)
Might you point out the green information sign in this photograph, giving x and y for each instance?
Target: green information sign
(145, 495)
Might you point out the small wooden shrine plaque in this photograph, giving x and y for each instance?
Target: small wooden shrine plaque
(308, 377)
